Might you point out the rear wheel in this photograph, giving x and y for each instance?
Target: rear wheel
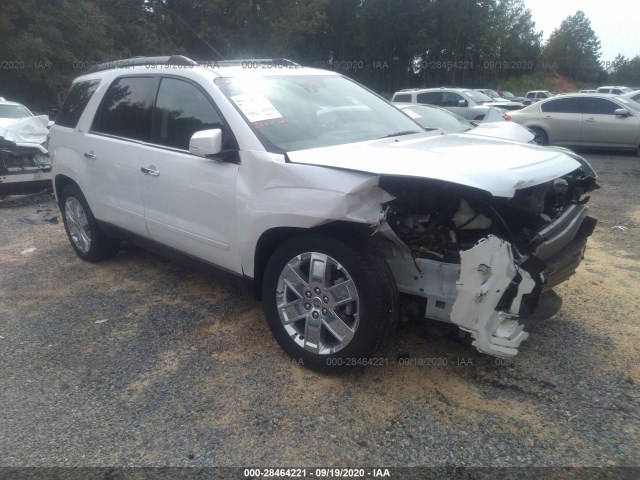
(540, 137)
(85, 236)
(330, 304)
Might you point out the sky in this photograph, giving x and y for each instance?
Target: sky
(615, 22)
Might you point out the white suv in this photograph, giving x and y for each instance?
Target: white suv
(322, 197)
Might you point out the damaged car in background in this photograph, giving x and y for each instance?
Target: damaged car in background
(24, 160)
(333, 206)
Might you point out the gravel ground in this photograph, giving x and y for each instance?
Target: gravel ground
(140, 362)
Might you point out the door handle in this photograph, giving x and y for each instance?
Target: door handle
(590, 120)
(90, 155)
(151, 170)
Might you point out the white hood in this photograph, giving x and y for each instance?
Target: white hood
(498, 166)
(23, 130)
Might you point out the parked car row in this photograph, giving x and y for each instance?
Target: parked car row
(468, 103)
(588, 119)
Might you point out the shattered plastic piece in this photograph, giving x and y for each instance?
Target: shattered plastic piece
(620, 227)
(481, 286)
(28, 250)
(102, 321)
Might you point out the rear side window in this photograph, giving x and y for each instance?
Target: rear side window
(127, 108)
(403, 97)
(77, 100)
(563, 105)
(181, 110)
(431, 98)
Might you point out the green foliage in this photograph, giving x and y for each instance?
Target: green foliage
(575, 49)
(626, 72)
(385, 44)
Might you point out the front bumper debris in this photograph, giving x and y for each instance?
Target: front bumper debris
(22, 166)
(490, 289)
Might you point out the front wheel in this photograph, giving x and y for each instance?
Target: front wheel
(330, 304)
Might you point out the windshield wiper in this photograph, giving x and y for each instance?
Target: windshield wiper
(399, 134)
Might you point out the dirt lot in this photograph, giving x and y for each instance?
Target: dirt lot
(140, 362)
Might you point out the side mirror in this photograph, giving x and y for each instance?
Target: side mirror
(621, 112)
(463, 103)
(53, 112)
(206, 142)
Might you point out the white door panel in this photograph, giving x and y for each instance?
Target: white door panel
(114, 182)
(191, 204)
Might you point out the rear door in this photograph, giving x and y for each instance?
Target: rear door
(115, 148)
(603, 127)
(562, 119)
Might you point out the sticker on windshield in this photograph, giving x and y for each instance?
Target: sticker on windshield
(256, 108)
(413, 115)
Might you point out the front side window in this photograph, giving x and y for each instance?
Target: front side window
(430, 98)
(599, 106)
(450, 99)
(76, 102)
(127, 108)
(563, 105)
(299, 112)
(181, 110)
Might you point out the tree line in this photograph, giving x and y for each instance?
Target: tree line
(385, 44)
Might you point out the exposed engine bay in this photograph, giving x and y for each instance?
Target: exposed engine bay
(481, 261)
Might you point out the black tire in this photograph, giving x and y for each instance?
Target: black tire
(99, 246)
(540, 136)
(376, 303)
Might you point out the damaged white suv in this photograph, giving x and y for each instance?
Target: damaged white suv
(330, 203)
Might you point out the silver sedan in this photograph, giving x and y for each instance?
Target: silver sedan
(589, 120)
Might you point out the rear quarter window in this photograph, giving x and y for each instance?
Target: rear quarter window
(402, 97)
(76, 102)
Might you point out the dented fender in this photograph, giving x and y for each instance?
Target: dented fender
(273, 193)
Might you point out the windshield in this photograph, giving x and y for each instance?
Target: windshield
(13, 111)
(477, 97)
(429, 117)
(289, 113)
(629, 103)
(491, 93)
(507, 94)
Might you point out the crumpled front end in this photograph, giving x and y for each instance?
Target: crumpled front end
(24, 161)
(23, 166)
(481, 262)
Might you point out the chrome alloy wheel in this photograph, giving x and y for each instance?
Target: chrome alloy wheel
(77, 224)
(318, 303)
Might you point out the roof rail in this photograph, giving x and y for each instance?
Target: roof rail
(144, 61)
(252, 62)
